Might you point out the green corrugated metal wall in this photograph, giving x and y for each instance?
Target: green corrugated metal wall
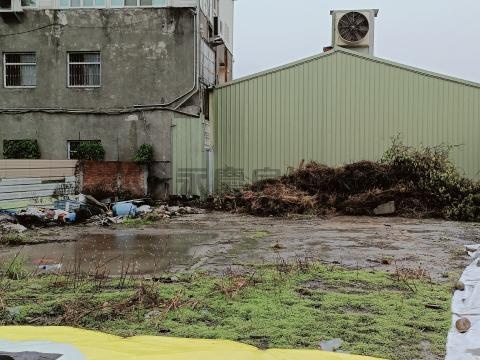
(338, 108)
(189, 157)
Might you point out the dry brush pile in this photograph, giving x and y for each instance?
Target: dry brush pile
(422, 182)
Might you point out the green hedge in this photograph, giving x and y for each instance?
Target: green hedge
(91, 150)
(144, 154)
(21, 149)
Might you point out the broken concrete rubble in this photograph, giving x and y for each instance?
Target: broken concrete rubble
(385, 209)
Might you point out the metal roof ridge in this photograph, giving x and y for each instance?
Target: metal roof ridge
(408, 67)
(357, 54)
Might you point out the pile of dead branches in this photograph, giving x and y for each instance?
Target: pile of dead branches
(421, 183)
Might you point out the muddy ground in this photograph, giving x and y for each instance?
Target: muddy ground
(221, 241)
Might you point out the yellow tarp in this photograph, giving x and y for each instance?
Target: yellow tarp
(96, 346)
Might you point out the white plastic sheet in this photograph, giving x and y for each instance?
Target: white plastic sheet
(466, 304)
(66, 351)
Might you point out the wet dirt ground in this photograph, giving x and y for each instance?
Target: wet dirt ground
(221, 241)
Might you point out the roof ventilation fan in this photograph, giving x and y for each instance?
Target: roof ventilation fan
(353, 27)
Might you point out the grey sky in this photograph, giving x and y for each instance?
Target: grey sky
(437, 35)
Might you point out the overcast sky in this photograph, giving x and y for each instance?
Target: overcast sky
(438, 35)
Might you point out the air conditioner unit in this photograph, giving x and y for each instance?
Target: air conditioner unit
(354, 29)
(11, 6)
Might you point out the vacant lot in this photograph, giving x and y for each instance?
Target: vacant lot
(219, 241)
(382, 285)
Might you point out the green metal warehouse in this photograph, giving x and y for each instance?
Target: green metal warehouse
(338, 107)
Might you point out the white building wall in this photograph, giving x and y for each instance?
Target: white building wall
(62, 4)
(226, 22)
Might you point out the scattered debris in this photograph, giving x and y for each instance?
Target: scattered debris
(50, 267)
(152, 314)
(331, 345)
(9, 227)
(278, 246)
(233, 286)
(460, 286)
(463, 325)
(144, 209)
(88, 209)
(7, 216)
(433, 306)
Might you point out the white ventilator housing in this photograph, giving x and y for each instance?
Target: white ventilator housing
(354, 29)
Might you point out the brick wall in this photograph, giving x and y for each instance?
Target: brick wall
(110, 178)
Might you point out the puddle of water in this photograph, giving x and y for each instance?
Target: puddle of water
(143, 254)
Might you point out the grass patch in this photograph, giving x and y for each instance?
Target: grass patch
(283, 306)
(135, 222)
(14, 269)
(257, 235)
(13, 238)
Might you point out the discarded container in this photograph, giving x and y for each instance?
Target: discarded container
(124, 209)
(71, 218)
(67, 205)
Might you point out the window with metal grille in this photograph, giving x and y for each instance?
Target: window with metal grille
(20, 70)
(136, 3)
(5, 4)
(84, 69)
(82, 3)
(29, 3)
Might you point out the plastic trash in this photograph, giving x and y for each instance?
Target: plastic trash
(124, 209)
(71, 217)
(60, 215)
(8, 212)
(66, 205)
(50, 267)
(144, 209)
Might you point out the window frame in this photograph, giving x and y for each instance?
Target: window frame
(31, 6)
(82, 5)
(18, 64)
(84, 63)
(69, 143)
(132, 6)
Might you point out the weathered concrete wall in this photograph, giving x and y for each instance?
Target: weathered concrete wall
(147, 56)
(120, 135)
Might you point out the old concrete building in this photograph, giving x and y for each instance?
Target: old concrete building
(122, 72)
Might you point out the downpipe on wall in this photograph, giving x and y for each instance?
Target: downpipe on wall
(196, 69)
